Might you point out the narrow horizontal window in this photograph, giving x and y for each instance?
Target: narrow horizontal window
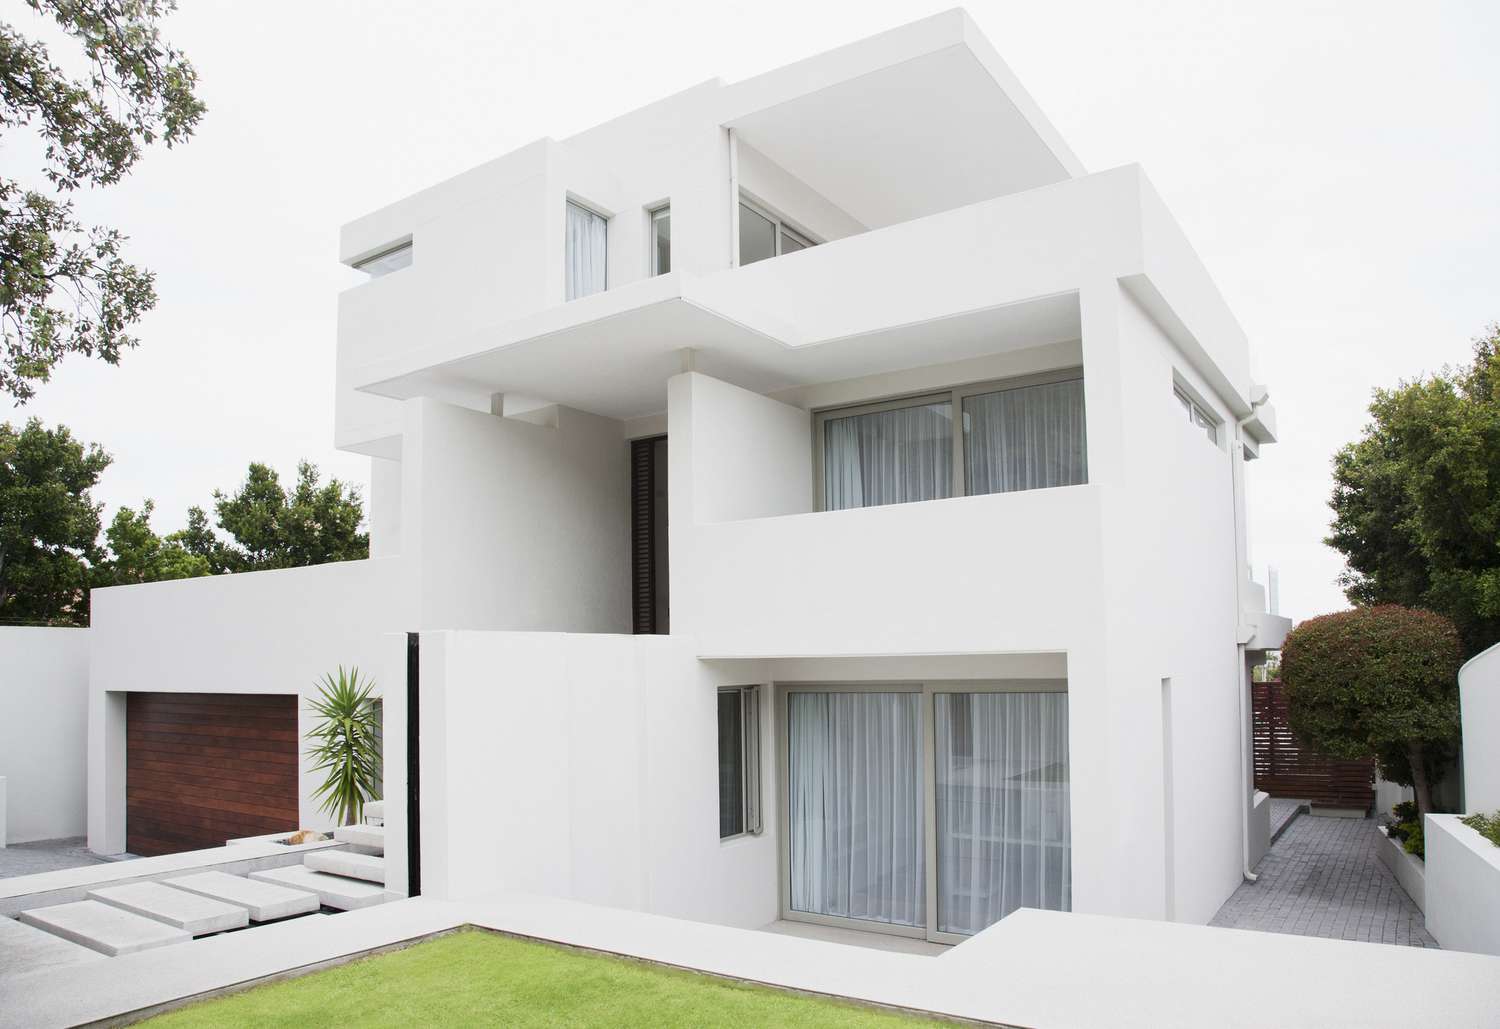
(587, 249)
(387, 261)
(1196, 415)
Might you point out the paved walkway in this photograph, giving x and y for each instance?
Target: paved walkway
(1324, 878)
(45, 856)
(1282, 812)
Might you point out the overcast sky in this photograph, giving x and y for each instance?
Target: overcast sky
(1335, 163)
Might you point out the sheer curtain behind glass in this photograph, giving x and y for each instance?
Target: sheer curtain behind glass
(1003, 832)
(1026, 438)
(888, 457)
(855, 822)
(586, 249)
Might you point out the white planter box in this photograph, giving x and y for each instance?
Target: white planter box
(1408, 869)
(1463, 886)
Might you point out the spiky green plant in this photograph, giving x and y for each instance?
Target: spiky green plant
(345, 744)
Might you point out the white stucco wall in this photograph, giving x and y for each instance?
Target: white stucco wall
(258, 632)
(510, 525)
(1462, 886)
(44, 678)
(583, 767)
(1479, 700)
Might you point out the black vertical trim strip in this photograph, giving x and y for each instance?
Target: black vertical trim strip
(413, 765)
(642, 542)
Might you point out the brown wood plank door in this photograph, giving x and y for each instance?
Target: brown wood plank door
(201, 768)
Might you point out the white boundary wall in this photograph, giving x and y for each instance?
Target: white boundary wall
(1479, 700)
(256, 632)
(44, 678)
(1462, 886)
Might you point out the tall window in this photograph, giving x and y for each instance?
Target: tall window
(1014, 436)
(392, 259)
(661, 240)
(764, 235)
(739, 761)
(860, 845)
(587, 246)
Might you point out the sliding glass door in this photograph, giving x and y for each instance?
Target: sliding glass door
(925, 810)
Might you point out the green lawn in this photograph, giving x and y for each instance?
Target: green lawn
(473, 977)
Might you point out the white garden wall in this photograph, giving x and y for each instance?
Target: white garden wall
(1479, 700)
(1462, 886)
(44, 679)
(257, 632)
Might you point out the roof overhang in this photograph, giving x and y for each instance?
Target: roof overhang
(929, 107)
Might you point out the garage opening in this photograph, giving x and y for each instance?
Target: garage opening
(202, 768)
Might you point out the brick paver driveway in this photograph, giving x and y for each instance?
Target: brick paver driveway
(1323, 878)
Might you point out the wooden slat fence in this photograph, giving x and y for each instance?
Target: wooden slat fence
(1284, 768)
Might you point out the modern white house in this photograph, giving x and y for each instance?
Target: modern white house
(814, 498)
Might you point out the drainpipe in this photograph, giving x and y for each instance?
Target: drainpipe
(1242, 689)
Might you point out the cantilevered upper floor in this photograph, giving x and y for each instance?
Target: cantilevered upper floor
(651, 209)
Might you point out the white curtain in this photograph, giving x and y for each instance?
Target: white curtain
(855, 806)
(586, 247)
(1003, 836)
(888, 457)
(1026, 438)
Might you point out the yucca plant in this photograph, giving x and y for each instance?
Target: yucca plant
(346, 744)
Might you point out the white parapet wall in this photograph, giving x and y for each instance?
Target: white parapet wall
(1479, 698)
(1463, 886)
(44, 681)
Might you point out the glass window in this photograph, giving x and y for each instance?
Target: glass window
(790, 241)
(661, 241)
(587, 247)
(1026, 438)
(387, 261)
(1196, 415)
(1002, 813)
(757, 236)
(855, 832)
(888, 456)
(739, 761)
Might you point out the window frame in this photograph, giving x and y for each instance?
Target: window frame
(569, 200)
(653, 215)
(779, 225)
(751, 802)
(955, 396)
(1199, 414)
(928, 689)
(407, 244)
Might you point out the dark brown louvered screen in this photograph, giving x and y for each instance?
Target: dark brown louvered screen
(642, 536)
(1285, 768)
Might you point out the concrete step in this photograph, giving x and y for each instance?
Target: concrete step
(265, 902)
(24, 948)
(348, 864)
(109, 930)
(333, 890)
(192, 912)
(372, 836)
(375, 812)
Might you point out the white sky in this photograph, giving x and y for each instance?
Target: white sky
(1335, 163)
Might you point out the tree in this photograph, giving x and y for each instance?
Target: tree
(65, 288)
(1376, 682)
(49, 524)
(271, 528)
(137, 554)
(1416, 499)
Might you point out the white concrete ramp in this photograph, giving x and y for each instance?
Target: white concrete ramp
(334, 891)
(109, 930)
(191, 912)
(264, 901)
(348, 863)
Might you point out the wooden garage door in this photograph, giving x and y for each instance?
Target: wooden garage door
(201, 768)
